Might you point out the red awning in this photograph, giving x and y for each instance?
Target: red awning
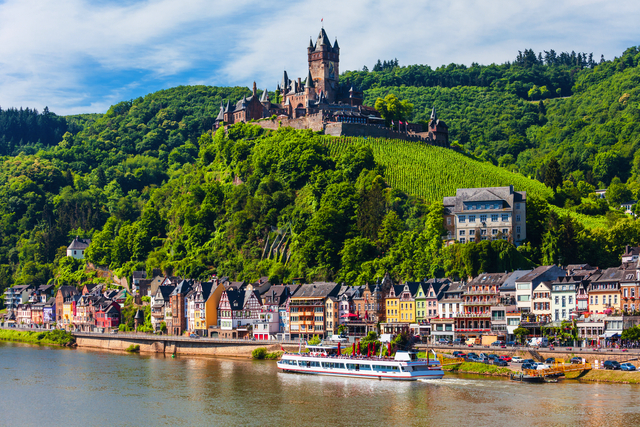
(350, 315)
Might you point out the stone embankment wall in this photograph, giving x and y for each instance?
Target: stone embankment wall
(192, 347)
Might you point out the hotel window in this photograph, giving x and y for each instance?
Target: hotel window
(505, 231)
(517, 205)
(597, 299)
(461, 218)
(494, 231)
(570, 300)
(505, 217)
(472, 239)
(633, 292)
(483, 218)
(472, 218)
(483, 232)
(448, 220)
(557, 299)
(625, 292)
(494, 218)
(481, 206)
(462, 232)
(615, 299)
(462, 240)
(517, 218)
(472, 232)
(518, 229)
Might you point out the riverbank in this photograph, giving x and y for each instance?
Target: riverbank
(607, 376)
(478, 368)
(54, 337)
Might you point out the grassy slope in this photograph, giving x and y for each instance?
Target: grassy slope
(434, 172)
(55, 337)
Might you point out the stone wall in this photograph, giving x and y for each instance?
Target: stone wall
(194, 347)
(312, 121)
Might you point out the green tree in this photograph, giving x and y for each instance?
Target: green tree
(394, 110)
(553, 175)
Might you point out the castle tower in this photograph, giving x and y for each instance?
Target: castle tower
(438, 130)
(324, 65)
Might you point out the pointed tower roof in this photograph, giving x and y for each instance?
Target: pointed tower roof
(335, 45)
(323, 40)
(285, 81)
(434, 116)
(228, 107)
(221, 113)
(310, 42)
(309, 82)
(265, 96)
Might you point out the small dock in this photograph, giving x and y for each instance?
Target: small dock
(551, 374)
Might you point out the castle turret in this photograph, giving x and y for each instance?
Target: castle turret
(324, 66)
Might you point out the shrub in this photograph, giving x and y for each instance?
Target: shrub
(259, 353)
(133, 348)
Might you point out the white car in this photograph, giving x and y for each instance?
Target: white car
(542, 366)
(516, 359)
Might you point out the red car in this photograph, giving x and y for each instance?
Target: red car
(505, 358)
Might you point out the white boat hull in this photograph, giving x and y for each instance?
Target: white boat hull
(375, 369)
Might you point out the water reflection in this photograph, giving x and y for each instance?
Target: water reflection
(78, 387)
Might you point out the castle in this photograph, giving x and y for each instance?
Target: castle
(317, 103)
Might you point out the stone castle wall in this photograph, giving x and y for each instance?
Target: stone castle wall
(316, 123)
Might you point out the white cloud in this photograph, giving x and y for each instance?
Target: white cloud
(78, 56)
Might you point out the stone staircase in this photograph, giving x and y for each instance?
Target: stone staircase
(535, 355)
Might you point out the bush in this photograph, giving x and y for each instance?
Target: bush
(133, 348)
(259, 353)
(273, 355)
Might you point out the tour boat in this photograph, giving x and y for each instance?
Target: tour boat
(326, 360)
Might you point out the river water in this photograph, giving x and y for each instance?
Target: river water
(64, 387)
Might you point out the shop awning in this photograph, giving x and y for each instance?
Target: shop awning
(610, 334)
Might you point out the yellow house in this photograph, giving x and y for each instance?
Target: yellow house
(393, 304)
(604, 292)
(211, 305)
(407, 302)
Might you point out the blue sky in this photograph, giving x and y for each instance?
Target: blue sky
(81, 56)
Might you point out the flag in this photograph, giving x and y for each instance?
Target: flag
(322, 20)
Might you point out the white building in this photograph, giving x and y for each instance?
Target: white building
(527, 283)
(489, 213)
(78, 247)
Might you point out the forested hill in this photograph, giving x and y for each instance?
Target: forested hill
(588, 118)
(154, 188)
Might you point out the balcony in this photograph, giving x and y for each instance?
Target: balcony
(491, 301)
(473, 315)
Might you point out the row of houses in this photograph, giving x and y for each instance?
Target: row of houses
(89, 309)
(489, 305)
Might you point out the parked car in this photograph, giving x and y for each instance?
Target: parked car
(576, 360)
(627, 367)
(611, 364)
(540, 366)
(497, 343)
(500, 362)
(458, 353)
(194, 336)
(505, 358)
(493, 357)
(444, 341)
(550, 361)
(457, 341)
(471, 358)
(531, 361)
(528, 366)
(472, 354)
(511, 344)
(484, 360)
(517, 359)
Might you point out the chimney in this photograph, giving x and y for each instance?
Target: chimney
(255, 89)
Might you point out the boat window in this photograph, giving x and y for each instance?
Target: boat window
(420, 368)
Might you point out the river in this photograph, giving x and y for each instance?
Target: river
(66, 387)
